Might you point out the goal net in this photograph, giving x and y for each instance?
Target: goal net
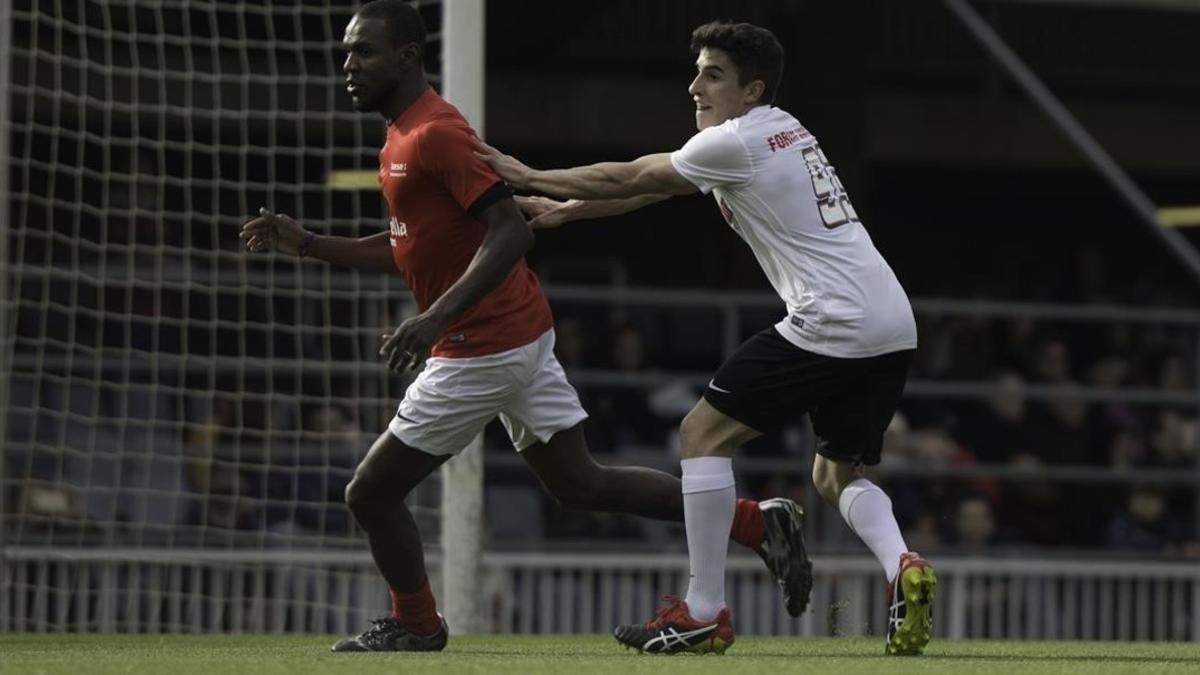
(182, 418)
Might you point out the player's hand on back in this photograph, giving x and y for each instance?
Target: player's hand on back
(506, 166)
(408, 346)
(273, 232)
(542, 212)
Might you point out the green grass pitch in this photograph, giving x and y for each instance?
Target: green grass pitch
(574, 655)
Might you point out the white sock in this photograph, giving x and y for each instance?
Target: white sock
(868, 511)
(708, 504)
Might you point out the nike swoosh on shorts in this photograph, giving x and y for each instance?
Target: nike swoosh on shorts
(714, 387)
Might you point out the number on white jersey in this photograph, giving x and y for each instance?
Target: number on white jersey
(832, 200)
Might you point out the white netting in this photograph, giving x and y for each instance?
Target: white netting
(166, 389)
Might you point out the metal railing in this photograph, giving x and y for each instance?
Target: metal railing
(319, 591)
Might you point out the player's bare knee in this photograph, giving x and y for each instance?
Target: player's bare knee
(698, 437)
(356, 495)
(830, 477)
(825, 484)
(689, 431)
(365, 499)
(825, 480)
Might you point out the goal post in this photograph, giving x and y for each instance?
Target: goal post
(5, 309)
(463, 34)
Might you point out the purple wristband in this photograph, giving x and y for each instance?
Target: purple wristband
(308, 240)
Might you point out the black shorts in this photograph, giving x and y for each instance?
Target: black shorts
(769, 382)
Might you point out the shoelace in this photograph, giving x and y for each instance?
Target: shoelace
(674, 604)
(381, 628)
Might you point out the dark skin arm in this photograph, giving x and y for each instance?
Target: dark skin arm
(279, 232)
(507, 240)
(368, 254)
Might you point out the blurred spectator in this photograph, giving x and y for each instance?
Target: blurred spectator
(305, 491)
(39, 505)
(934, 357)
(1173, 440)
(972, 349)
(222, 504)
(570, 343)
(1055, 431)
(1059, 430)
(629, 350)
(1112, 370)
(1052, 362)
(1109, 370)
(974, 525)
(672, 400)
(1173, 373)
(136, 212)
(334, 424)
(998, 429)
(928, 447)
(1126, 449)
(217, 483)
(933, 447)
(895, 437)
(1015, 344)
(1031, 509)
(923, 534)
(1145, 524)
(218, 428)
(621, 415)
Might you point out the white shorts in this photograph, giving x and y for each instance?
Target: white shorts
(452, 400)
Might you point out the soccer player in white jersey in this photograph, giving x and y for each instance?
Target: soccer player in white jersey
(841, 354)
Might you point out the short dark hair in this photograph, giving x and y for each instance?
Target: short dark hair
(755, 51)
(403, 21)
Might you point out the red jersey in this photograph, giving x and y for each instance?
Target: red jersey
(430, 177)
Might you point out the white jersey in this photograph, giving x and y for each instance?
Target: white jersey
(779, 193)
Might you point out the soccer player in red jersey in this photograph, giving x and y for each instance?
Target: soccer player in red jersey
(484, 333)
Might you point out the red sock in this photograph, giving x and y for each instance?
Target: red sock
(748, 524)
(417, 612)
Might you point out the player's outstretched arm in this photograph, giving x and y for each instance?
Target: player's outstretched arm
(506, 241)
(648, 175)
(544, 213)
(279, 232)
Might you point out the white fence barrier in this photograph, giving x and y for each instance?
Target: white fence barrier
(127, 590)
